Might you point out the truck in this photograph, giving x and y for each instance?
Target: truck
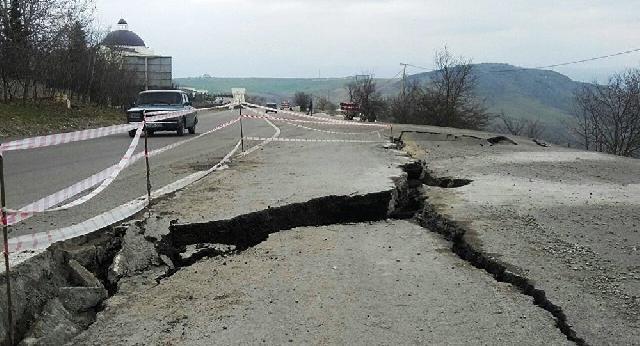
(349, 110)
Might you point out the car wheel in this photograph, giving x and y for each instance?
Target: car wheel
(132, 133)
(180, 129)
(192, 129)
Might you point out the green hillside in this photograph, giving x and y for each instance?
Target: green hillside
(526, 94)
(519, 93)
(273, 89)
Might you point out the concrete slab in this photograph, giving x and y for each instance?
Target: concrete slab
(380, 283)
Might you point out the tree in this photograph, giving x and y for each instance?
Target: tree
(302, 99)
(362, 91)
(608, 116)
(448, 98)
(325, 105)
(520, 127)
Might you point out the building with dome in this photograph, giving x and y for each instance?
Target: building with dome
(152, 71)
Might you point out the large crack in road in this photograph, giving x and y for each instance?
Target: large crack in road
(405, 201)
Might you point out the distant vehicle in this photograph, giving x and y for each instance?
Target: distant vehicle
(164, 100)
(273, 107)
(284, 105)
(349, 109)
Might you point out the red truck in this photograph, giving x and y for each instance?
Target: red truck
(349, 109)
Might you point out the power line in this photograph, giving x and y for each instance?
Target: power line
(419, 67)
(553, 65)
(391, 80)
(573, 62)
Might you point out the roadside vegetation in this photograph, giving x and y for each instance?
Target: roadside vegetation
(608, 116)
(43, 118)
(54, 74)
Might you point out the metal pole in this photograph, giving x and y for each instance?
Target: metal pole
(146, 159)
(5, 235)
(241, 131)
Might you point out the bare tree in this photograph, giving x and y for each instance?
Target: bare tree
(325, 105)
(362, 91)
(50, 46)
(450, 98)
(520, 127)
(447, 99)
(302, 99)
(608, 117)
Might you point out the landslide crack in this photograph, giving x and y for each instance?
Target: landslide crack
(405, 201)
(250, 229)
(432, 220)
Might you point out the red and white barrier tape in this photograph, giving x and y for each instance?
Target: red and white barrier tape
(14, 216)
(41, 240)
(300, 121)
(326, 120)
(83, 135)
(311, 140)
(45, 204)
(290, 122)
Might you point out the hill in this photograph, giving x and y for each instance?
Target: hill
(273, 89)
(524, 93)
(520, 93)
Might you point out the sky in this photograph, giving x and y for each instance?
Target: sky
(337, 38)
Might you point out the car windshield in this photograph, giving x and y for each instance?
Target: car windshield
(160, 98)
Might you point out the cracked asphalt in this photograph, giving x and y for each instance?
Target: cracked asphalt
(566, 219)
(386, 282)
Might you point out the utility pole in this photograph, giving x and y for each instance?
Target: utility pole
(404, 79)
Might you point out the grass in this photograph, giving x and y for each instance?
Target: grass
(47, 117)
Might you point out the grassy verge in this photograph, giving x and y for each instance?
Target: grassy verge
(46, 118)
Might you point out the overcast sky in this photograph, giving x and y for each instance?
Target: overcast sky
(335, 38)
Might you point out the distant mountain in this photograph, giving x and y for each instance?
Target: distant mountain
(524, 93)
(519, 93)
(272, 89)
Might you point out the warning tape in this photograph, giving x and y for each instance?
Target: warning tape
(45, 204)
(291, 122)
(325, 120)
(299, 121)
(312, 140)
(41, 240)
(83, 135)
(13, 216)
(264, 141)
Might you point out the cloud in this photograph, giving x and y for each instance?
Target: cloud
(341, 37)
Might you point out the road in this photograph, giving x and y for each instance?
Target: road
(544, 258)
(34, 174)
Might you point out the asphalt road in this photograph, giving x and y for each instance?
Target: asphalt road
(34, 174)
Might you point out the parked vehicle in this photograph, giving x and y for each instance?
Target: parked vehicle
(272, 107)
(349, 109)
(164, 100)
(285, 105)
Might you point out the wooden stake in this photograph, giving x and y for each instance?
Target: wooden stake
(5, 235)
(146, 159)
